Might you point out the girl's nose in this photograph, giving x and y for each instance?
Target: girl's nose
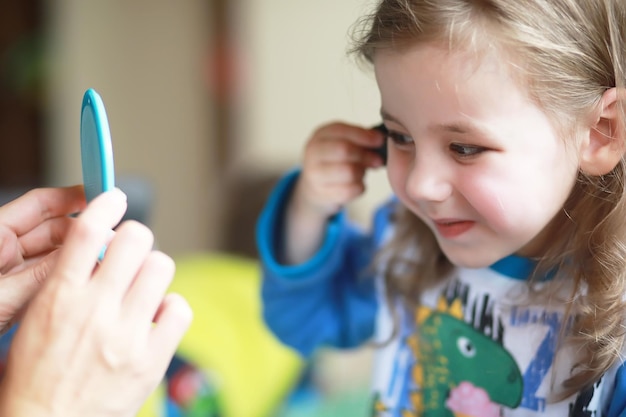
(428, 180)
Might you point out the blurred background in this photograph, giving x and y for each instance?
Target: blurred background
(209, 102)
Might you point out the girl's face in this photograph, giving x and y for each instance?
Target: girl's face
(471, 154)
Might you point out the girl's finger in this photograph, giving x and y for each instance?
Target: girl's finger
(355, 134)
(340, 151)
(366, 138)
(339, 173)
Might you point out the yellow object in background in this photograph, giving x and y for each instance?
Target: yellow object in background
(228, 339)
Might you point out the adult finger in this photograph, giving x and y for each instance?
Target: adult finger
(170, 324)
(149, 287)
(18, 288)
(88, 235)
(34, 207)
(124, 258)
(16, 251)
(45, 237)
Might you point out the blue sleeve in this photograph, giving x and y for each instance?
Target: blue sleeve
(329, 300)
(617, 405)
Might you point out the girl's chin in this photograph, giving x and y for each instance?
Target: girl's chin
(473, 265)
(471, 260)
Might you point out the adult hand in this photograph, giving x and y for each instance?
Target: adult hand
(31, 228)
(97, 338)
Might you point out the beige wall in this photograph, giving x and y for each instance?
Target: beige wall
(298, 77)
(145, 58)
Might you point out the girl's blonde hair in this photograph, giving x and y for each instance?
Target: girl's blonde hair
(568, 53)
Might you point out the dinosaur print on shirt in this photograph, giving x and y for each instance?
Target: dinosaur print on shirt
(466, 355)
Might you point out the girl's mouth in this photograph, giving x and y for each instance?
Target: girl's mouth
(453, 228)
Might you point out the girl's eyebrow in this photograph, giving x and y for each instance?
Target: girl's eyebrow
(386, 116)
(463, 128)
(458, 127)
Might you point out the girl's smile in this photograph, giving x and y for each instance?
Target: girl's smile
(450, 229)
(470, 153)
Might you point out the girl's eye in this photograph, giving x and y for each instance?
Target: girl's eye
(466, 151)
(399, 139)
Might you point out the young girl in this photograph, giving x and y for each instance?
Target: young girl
(500, 264)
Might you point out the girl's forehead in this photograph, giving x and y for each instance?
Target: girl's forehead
(488, 60)
(429, 86)
(462, 63)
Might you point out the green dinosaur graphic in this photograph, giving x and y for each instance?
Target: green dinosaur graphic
(448, 352)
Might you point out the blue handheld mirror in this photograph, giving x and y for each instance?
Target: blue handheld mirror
(95, 146)
(96, 151)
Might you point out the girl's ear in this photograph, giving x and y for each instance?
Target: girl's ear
(605, 146)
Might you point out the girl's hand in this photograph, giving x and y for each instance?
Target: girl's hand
(335, 161)
(31, 227)
(97, 338)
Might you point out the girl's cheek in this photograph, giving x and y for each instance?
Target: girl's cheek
(397, 174)
(495, 203)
